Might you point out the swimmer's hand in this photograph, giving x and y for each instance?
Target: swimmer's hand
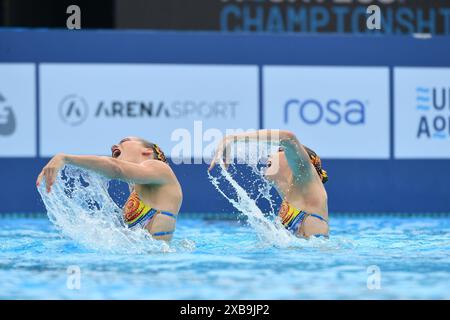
(50, 171)
(222, 153)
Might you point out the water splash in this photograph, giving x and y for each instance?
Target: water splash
(81, 207)
(266, 224)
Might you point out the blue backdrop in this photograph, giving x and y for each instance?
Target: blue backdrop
(355, 185)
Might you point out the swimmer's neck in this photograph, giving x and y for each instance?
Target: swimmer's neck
(287, 190)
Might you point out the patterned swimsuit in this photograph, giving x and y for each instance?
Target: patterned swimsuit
(293, 218)
(137, 213)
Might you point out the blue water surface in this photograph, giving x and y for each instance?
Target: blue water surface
(365, 258)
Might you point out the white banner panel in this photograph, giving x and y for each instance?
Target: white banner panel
(340, 112)
(17, 110)
(88, 107)
(422, 113)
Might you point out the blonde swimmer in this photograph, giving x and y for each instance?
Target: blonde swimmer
(297, 174)
(156, 194)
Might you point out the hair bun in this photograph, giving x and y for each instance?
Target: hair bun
(317, 163)
(159, 154)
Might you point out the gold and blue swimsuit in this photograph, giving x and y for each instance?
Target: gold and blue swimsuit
(137, 214)
(293, 218)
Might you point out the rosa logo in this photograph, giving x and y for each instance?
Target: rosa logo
(73, 110)
(333, 111)
(434, 105)
(7, 118)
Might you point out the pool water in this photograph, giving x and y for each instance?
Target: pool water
(366, 257)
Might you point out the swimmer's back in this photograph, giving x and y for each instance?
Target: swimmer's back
(166, 197)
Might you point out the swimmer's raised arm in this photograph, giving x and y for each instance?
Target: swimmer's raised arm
(296, 154)
(265, 135)
(148, 172)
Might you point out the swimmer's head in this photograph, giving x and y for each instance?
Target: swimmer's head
(137, 150)
(278, 169)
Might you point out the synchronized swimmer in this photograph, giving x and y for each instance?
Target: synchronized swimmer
(156, 195)
(297, 174)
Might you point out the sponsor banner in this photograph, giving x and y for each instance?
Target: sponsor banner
(341, 112)
(17, 110)
(422, 113)
(327, 16)
(85, 108)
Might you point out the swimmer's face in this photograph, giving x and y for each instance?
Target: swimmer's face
(130, 149)
(277, 166)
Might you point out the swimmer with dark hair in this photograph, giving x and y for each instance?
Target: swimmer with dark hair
(156, 194)
(297, 174)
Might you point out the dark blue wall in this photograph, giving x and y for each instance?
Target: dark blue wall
(354, 186)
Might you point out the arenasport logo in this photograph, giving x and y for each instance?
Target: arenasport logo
(74, 109)
(433, 105)
(333, 111)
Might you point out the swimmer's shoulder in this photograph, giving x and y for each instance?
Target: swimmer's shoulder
(172, 184)
(162, 167)
(155, 163)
